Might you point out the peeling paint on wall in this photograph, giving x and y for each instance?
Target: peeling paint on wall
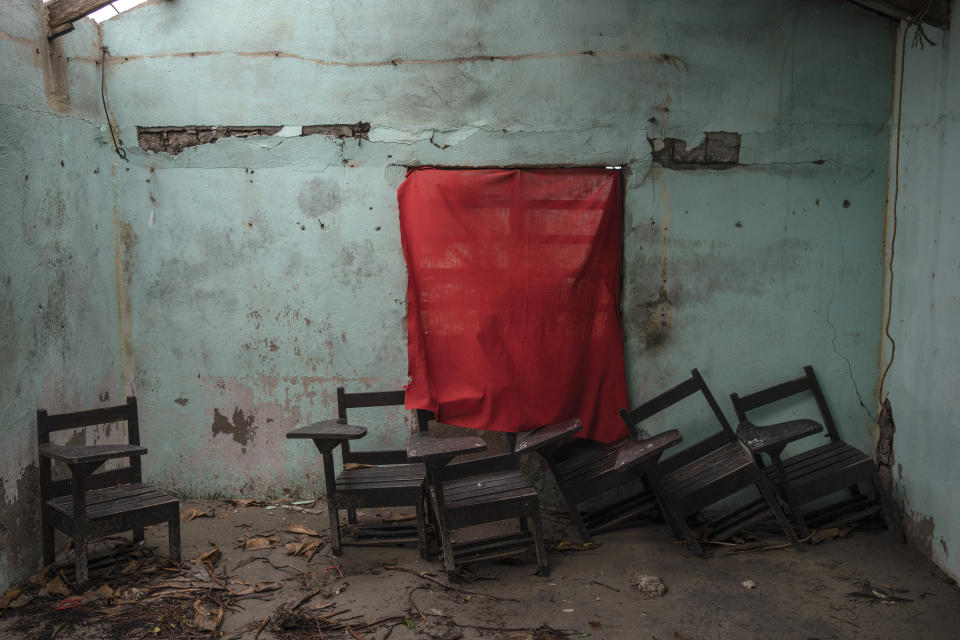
(173, 140)
(719, 150)
(240, 426)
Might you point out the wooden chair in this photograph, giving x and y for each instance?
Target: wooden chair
(585, 469)
(92, 504)
(488, 489)
(835, 467)
(381, 478)
(705, 473)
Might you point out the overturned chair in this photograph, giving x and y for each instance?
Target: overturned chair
(707, 472)
(807, 476)
(586, 470)
(90, 505)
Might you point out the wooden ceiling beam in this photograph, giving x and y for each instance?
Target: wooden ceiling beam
(938, 15)
(61, 14)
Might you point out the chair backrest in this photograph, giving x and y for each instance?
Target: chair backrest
(685, 389)
(371, 399)
(807, 382)
(47, 424)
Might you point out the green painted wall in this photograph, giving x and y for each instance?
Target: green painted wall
(255, 275)
(266, 271)
(58, 346)
(922, 381)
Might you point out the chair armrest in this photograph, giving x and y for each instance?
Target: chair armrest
(72, 455)
(633, 452)
(773, 438)
(329, 430)
(544, 436)
(429, 449)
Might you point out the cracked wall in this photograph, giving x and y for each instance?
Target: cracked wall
(925, 306)
(59, 347)
(267, 270)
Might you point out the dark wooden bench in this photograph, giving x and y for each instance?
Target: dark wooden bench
(832, 468)
(88, 504)
(705, 473)
(383, 478)
(488, 489)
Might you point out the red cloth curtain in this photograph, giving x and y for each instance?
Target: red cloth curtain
(513, 297)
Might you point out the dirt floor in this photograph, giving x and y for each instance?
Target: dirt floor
(260, 584)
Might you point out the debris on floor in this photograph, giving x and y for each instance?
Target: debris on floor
(652, 586)
(268, 574)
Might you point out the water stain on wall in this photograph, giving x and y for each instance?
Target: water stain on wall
(318, 197)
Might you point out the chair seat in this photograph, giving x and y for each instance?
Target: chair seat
(106, 503)
(382, 486)
(490, 496)
(702, 482)
(825, 469)
(115, 509)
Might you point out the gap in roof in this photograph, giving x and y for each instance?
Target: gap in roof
(111, 10)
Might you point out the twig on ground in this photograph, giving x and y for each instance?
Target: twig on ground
(416, 608)
(256, 636)
(307, 597)
(445, 585)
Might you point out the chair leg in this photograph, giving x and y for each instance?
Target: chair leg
(792, 500)
(80, 552)
(656, 485)
(352, 516)
(769, 495)
(138, 534)
(443, 531)
(173, 539)
(422, 543)
(543, 563)
(524, 527)
(336, 547)
(688, 535)
(48, 535)
(330, 483)
(575, 517)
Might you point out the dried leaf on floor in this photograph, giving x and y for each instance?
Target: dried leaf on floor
(40, 578)
(299, 528)
(245, 502)
(9, 597)
(103, 592)
(55, 587)
(210, 556)
(186, 515)
(256, 543)
(400, 517)
(206, 618)
(822, 535)
(356, 465)
(306, 547)
(130, 566)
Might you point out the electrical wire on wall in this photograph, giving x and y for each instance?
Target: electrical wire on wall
(117, 146)
(920, 39)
